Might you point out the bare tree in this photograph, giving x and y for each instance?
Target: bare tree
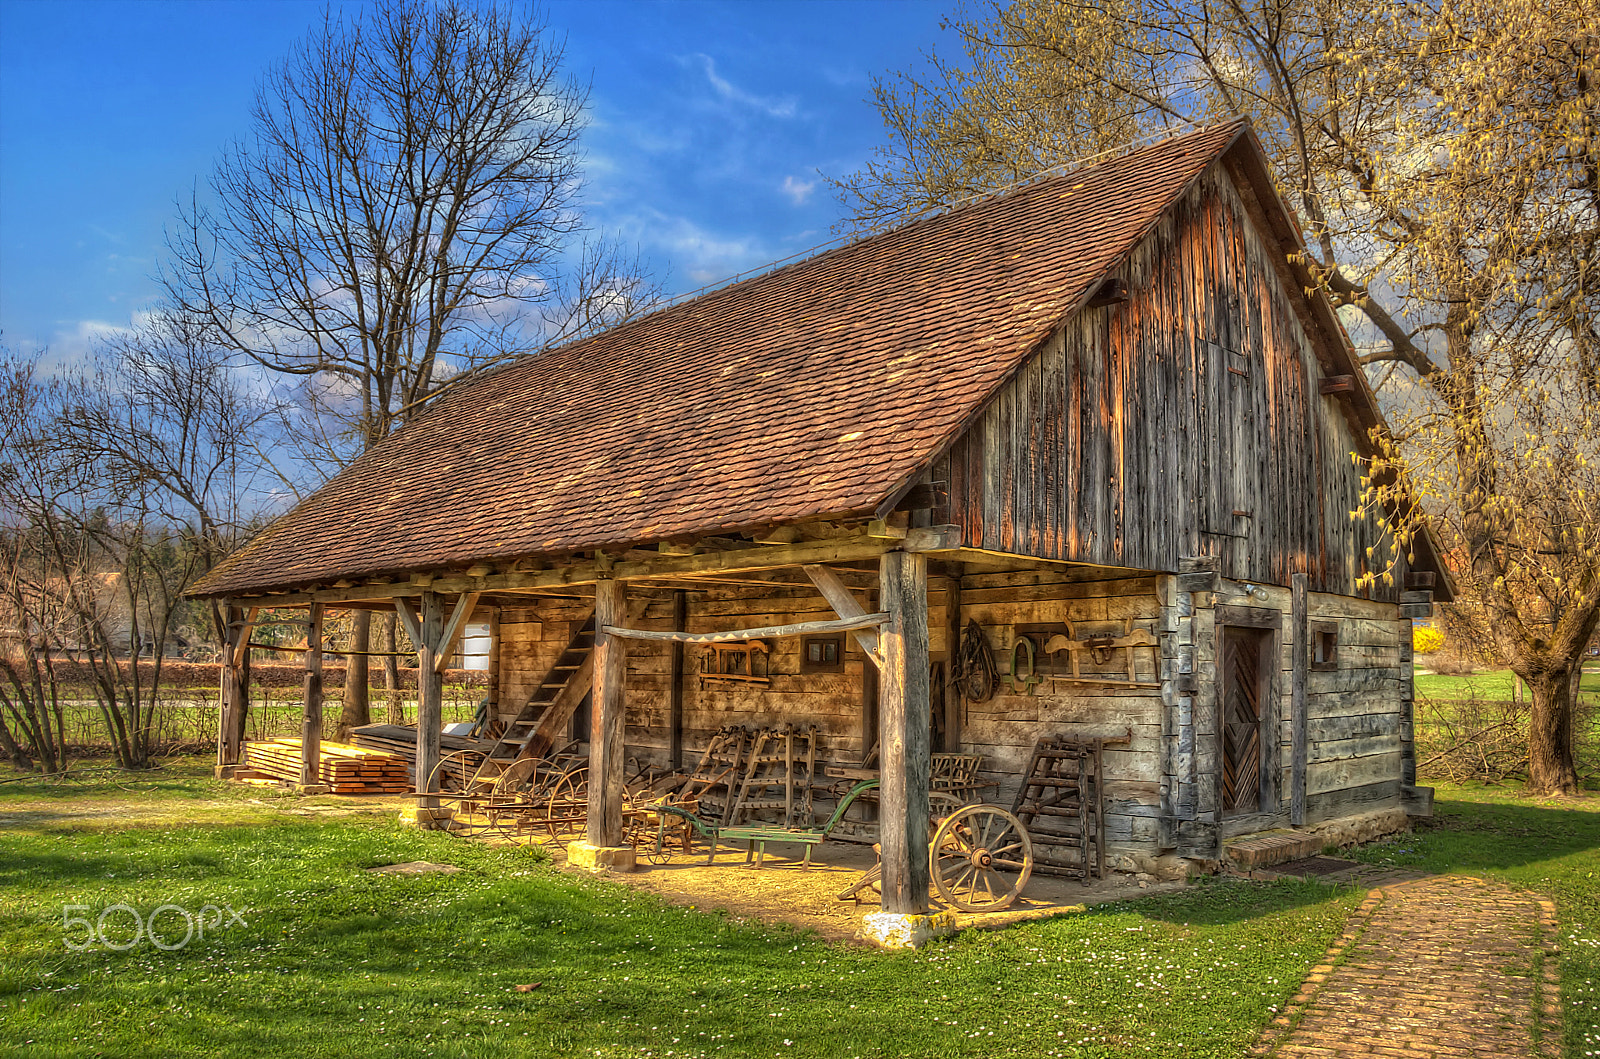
(405, 213)
(1443, 162)
(121, 485)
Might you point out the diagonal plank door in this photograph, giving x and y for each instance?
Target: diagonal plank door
(1241, 720)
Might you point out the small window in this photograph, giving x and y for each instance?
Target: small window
(1324, 645)
(822, 654)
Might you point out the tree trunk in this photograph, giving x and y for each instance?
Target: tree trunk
(1551, 768)
(391, 670)
(357, 676)
(19, 759)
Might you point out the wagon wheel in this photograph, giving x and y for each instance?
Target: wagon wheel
(512, 793)
(567, 811)
(981, 858)
(941, 805)
(446, 776)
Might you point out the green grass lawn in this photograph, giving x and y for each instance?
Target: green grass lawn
(331, 960)
(335, 961)
(1550, 846)
(1488, 684)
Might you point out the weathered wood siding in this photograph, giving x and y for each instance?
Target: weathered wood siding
(1005, 728)
(1357, 723)
(1186, 421)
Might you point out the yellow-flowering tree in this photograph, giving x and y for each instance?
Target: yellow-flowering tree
(1444, 161)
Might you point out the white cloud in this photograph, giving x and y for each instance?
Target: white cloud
(784, 107)
(798, 190)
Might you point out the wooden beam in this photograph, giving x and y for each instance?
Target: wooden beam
(1337, 384)
(1113, 291)
(680, 621)
(409, 621)
(430, 698)
(952, 687)
(855, 548)
(454, 627)
(844, 603)
(1299, 667)
(804, 628)
(607, 708)
(493, 668)
(240, 648)
(904, 733)
(235, 634)
(311, 715)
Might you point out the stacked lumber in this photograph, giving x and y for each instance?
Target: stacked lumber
(344, 768)
(400, 741)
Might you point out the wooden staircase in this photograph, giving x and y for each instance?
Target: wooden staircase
(532, 733)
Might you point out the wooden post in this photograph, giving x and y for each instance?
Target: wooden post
(311, 718)
(1299, 666)
(903, 732)
(235, 632)
(492, 674)
(430, 698)
(356, 709)
(606, 717)
(952, 687)
(680, 617)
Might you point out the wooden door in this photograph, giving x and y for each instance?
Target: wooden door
(1243, 700)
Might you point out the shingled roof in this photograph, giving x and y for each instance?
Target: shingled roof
(818, 389)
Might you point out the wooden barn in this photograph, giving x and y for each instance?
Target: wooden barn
(1072, 462)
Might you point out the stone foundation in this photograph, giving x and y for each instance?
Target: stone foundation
(601, 858)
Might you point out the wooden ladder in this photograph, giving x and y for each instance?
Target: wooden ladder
(513, 744)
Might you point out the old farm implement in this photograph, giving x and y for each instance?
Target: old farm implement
(545, 799)
(979, 860)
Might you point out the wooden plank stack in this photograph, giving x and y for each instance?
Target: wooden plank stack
(345, 769)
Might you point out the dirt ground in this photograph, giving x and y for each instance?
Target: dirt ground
(783, 889)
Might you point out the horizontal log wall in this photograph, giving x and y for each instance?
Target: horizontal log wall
(1162, 790)
(1186, 421)
(1355, 713)
(1005, 728)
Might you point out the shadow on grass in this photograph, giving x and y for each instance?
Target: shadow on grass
(1487, 836)
(1218, 902)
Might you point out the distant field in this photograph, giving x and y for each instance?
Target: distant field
(1489, 684)
(1470, 728)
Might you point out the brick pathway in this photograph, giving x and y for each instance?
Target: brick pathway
(1438, 967)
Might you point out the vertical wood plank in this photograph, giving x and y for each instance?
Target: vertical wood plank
(903, 724)
(952, 689)
(1299, 666)
(311, 716)
(680, 616)
(234, 632)
(430, 698)
(492, 676)
(607, 717)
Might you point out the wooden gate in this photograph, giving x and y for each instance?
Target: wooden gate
(1244, 691)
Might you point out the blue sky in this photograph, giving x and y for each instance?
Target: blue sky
(710, 123)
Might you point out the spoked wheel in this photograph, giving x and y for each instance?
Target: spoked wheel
(981, 858)
(568, 807)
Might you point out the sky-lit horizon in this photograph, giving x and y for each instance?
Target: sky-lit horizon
(710, 123)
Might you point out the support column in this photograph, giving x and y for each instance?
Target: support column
(952, 688)
(603, 846)
(1299, 668)
(233, 692)
(903, 715)
(430, 699)
(311, 718)
(492, 674)
(680, 618)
